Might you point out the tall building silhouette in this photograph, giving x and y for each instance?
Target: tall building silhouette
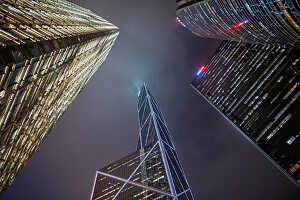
(48, 52)
(153, 171)
(256, 88)
(268, 21)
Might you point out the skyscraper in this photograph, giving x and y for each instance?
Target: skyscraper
(256, 88)
(268, 21)
(48, 52)
(153, 171)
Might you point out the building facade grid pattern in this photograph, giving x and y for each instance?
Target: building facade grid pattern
(270, 21)
(48, 52)
(257, 89)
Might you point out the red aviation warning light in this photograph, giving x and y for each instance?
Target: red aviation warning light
(241, 23)
(202, 68)
(177, 18)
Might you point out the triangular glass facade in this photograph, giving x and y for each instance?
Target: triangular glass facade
(106, 187)
(124, 167)
(140, 175)
(153, 172)
(155, 131)
(136, 193)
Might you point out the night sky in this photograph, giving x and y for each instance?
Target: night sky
(101, 125)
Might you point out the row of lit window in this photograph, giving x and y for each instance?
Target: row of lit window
(36, 124)
(19, 31)
(219, 97)
(218, 19)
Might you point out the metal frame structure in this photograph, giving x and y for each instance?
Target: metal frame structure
(128, 180)
(154, 142)
(154, 128)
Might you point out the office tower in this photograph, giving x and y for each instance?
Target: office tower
(257, 89)
(48, 52)
(268, 21)
(153, 171)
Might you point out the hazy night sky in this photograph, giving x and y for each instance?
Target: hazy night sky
(101, 125)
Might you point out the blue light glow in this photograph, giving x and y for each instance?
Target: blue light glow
(242, 23)
(202, 68)
(180, 21)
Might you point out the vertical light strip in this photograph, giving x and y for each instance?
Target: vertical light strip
(94, 186)
(169, 177)
(140, 134)
(172, 165)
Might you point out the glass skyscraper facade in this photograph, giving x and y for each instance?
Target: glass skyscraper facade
(153, 171)
(48, 52)
(268, 21)
(256, 88)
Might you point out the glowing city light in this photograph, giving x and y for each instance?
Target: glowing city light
(241, 23)
(201, 69)
(177, 18)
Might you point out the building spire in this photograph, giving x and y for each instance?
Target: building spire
(153, 128)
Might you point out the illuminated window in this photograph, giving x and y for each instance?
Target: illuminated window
(291, 140)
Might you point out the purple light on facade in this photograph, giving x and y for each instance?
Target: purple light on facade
(241, 23)
(177, 18)
(200, 70)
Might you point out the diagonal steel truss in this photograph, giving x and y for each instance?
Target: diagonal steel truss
(154, 129)
(128, 180)
(153, 134)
